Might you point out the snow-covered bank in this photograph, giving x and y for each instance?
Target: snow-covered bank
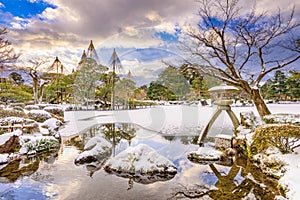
(177, 119)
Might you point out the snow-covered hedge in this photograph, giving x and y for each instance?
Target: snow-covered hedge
(32, 107)
(271, 164)
(11, 112)
(55, 110)
(283, 119)
(39, 115)
(285, 137)
(15, 120)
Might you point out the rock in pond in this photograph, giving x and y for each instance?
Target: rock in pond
(95, 150)
(204, 154)
(143, 164)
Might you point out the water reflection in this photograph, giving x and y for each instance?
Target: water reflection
(118, 134)
(242, 180)
(24, 166)
(57, 177)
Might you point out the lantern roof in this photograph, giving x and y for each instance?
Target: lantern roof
(223, 88)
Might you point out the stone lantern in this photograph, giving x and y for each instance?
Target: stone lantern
(222, 97)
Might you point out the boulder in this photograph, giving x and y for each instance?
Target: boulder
(11, 145)
(96, 149)
(141, 159)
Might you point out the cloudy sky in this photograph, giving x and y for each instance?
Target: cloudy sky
(144, 32)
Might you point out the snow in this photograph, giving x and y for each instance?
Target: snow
(5, 137)
(30, 144)
(4, 158)
(223, 136)
(95, 141)
(284, 118)
(222, 88)
(141, 159)
(95, 148)
(17, 120)
(173, 120)
(52, 126)
(32, 107)
(290, 179)
(206, 154)
(40, 112)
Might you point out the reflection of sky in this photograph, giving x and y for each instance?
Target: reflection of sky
(25, 188)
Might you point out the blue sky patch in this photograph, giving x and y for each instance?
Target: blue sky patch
(167, 37)
(24, 8)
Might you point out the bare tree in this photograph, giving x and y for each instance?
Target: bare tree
(7, 55)
(241, 49)
(38, 84)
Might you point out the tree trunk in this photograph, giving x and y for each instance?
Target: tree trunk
(259, 103)
(35, 90)
(41, 91)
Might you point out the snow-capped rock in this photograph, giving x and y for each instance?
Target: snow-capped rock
(140, 159)
(96, 149)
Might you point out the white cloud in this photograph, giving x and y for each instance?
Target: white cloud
(65, 31)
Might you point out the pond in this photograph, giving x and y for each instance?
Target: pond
(55, 176)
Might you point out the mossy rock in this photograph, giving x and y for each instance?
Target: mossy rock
(285, 137)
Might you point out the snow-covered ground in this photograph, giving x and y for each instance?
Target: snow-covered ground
(177, 119)
(187, 120)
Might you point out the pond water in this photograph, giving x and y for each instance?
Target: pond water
(55, 176)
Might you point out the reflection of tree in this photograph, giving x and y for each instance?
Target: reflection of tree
(229, 188)
(186, 140)
(24, 167)
(116, 132)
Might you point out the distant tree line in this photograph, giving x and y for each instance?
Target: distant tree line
(282, 87)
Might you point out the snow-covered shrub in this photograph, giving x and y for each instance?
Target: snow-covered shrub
(249, 120)
(271, 164)
(52, 125)
(18, 108)
(55, 110)
(32, 107)
(39, 115)
(69, 108)
(285, 137)
(36, 144)
(15, 120)
(22, 105)
(282, 119)
(11, 112)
